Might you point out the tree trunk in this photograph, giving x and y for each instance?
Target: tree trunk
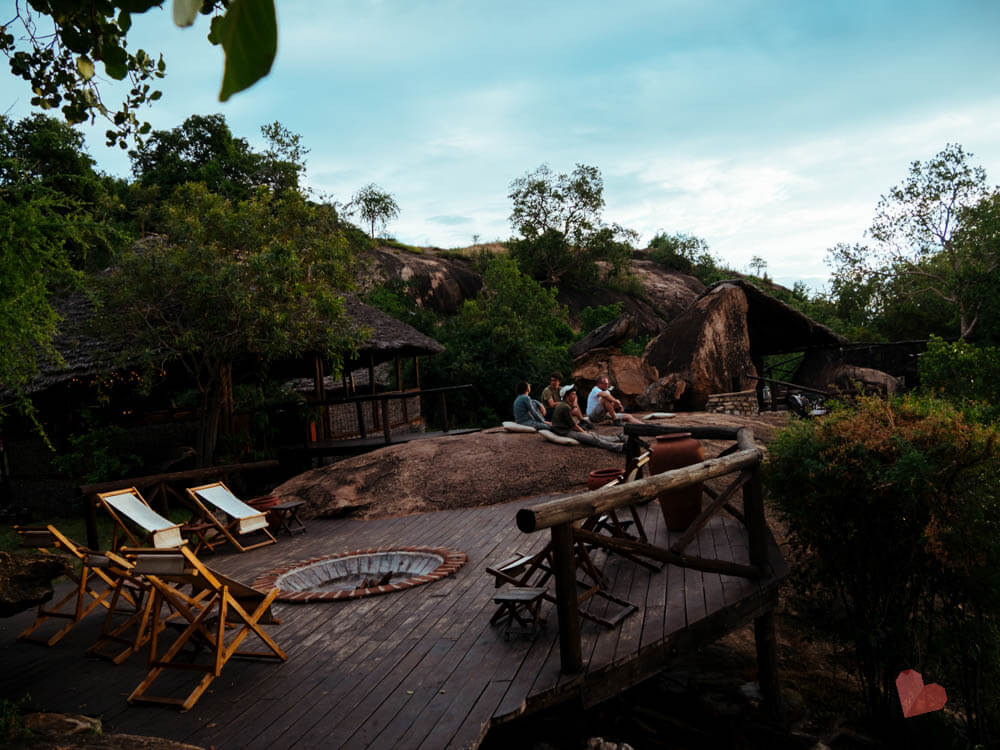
(208, 425)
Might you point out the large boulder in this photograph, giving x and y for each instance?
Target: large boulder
(706, 349)
(611, 334)
(26, 579)
(629, 375)
(440, 283)
(825, 370)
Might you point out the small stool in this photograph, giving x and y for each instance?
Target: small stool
(287, 514)
(520, 604)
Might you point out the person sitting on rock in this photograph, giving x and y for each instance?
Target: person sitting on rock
(602, 405)
(528, 411)
(550, 395)
(563, 424)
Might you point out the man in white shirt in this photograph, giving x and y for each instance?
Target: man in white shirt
(602, 405)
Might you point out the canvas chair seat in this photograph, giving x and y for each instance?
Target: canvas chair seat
(136, 523)
(216, 617)
(223, 517)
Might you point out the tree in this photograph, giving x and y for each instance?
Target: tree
(562, 234)
(57, 216)
(231, 280)
(922, 242)
(514, 329)
(204, 149)
(60, 63)
(688, 254)
(759, 266)
(374, 206)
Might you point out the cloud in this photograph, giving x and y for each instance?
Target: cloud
(450, 220)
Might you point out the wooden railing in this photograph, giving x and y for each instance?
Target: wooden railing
(562, 516)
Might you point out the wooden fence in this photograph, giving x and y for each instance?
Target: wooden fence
(562, 516)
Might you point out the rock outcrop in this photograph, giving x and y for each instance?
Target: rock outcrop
(609, 335)
(705, 350)
(630, 376)
(440, 284)
(26, 579)
(825, 370)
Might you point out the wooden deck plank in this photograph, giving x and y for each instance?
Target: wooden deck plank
(421, 667)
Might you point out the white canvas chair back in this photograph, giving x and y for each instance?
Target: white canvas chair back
(128, 503)
(221, 497)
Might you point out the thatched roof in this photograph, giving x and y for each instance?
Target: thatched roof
(389, 337)
(777, 328)
(86, 356)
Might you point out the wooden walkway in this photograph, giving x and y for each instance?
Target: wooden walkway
(420, 668)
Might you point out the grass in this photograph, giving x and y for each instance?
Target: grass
(75, 528)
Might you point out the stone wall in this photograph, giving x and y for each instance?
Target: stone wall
(740, 402)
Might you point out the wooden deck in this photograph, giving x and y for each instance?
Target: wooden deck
(420, 668)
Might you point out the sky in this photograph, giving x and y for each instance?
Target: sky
(769, 129)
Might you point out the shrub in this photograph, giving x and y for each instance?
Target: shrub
(894, 514)
(964, 374)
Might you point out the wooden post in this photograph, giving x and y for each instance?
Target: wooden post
(386, 429)
(564, 568)
(399, 387)
(90, 521)
(767, 663)
(753, 508)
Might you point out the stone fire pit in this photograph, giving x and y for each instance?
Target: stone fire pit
(366, 572)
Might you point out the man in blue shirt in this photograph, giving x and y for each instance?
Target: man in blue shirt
(528, 411)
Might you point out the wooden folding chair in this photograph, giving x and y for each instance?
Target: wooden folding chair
(217, 616)
(535, 571)
(136, 523)
(221, 512)
(82, 599)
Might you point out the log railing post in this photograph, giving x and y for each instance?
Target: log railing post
(564, 569)
(386, 426)
(753, 509)
(444, 412)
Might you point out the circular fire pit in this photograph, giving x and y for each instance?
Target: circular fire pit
(365, 572)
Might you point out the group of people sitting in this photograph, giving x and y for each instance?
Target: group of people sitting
(560, 404)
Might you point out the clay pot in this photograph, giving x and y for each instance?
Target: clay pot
(680, 507)
(600, 477)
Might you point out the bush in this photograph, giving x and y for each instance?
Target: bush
(894, 514)
(513, 330)
(964, 374)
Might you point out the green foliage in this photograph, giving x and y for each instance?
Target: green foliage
(965, 375)
(933, 239)
(592, 318)
(688, 254)
(248, 32)
(203, 149)
(374, 206)
(396, 298)
(513, 330)
(894, 517)
(562, 234)
(261, 278)
(98, 453)
(59, 64)
(12, 718)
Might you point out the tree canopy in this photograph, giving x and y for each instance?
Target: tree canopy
(375, 207)
(262, 278)
(562, 234)
(203, 149)
(55, 46)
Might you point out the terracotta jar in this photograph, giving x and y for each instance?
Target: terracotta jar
(600, 477)
(680, 507)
